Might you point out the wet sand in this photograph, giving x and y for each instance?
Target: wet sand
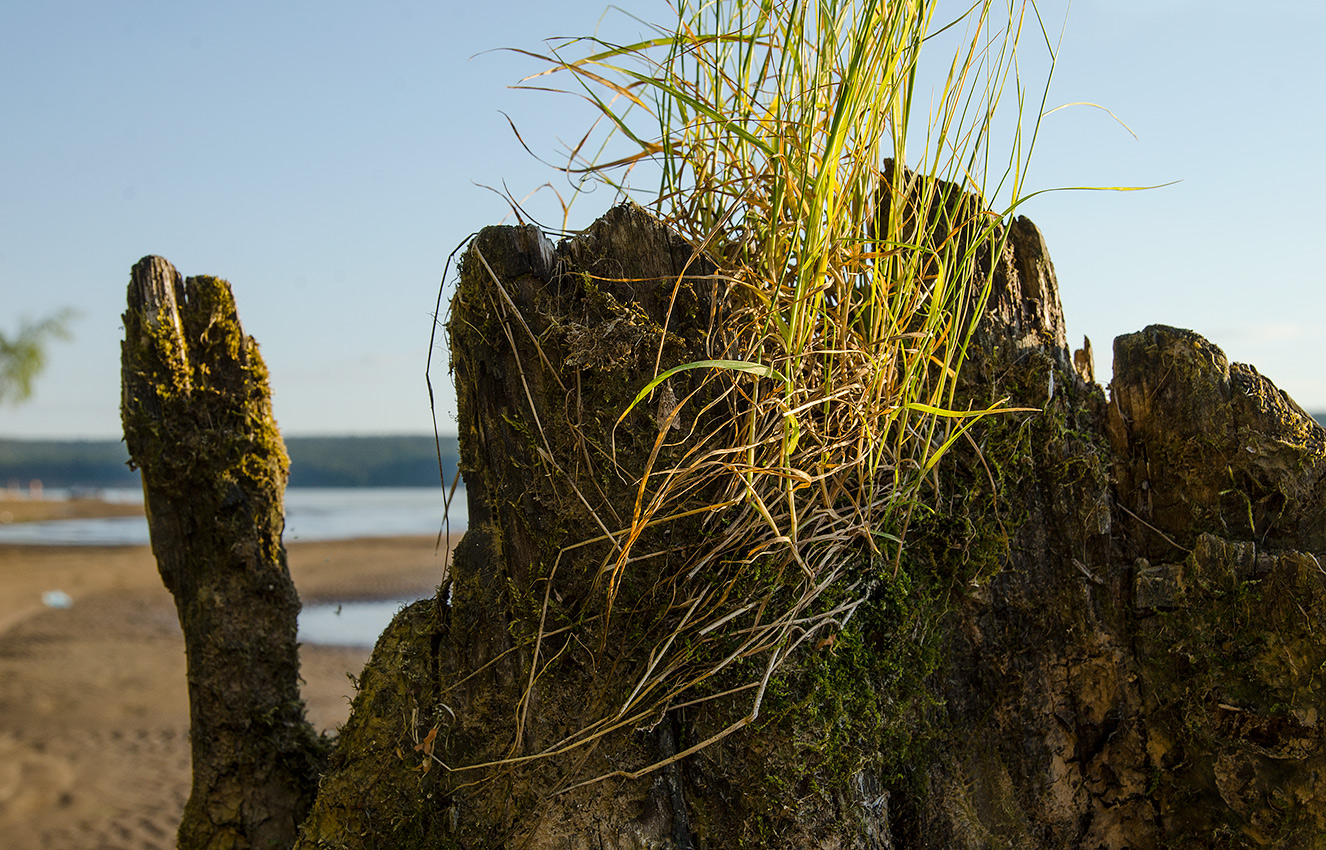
(28, 510)
(94, 714)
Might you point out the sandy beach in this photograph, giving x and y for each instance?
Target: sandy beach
(39, 510)
(94, 715)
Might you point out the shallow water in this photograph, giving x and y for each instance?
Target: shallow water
(312, 513)
(356, 624)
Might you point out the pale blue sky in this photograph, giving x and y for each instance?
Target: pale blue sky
(322, 157)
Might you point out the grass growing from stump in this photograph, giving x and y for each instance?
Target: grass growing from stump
(853, 288)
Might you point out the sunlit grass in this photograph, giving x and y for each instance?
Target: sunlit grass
(853, 290)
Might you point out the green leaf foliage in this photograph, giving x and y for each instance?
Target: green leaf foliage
(23, 355)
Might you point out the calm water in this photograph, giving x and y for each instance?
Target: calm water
(347, 623)
(311, 513)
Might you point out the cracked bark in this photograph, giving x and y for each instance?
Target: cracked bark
(197, 418)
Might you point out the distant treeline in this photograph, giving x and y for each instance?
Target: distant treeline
(314, 462)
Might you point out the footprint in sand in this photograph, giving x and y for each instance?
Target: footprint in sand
(30, 780)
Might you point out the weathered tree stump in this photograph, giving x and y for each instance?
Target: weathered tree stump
(1105, 632)
(1109, 633)
(549, 347)
(198, 424)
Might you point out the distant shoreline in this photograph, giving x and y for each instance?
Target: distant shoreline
(368, 461)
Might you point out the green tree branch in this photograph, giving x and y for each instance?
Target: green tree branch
(23, 355)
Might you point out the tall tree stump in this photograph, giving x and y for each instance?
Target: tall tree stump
(1106, 630)
(198, 422)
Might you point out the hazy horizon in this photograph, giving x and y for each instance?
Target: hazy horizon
(324, 157)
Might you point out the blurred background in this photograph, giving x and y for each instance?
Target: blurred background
(327, 157)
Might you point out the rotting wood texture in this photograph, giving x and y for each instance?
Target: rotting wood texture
(197, 417)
